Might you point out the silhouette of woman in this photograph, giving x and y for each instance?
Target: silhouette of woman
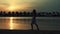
(34, 20)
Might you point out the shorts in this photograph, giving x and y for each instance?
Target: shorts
(33, 22)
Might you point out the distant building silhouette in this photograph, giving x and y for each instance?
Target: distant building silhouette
(29, 14)
(17, 13)
(9, 13)
(20, 13)
(58, 14)
(13, 14)
(24, 13)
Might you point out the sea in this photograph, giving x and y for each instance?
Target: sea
(24, 23)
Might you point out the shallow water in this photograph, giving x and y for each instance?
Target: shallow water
(24, 23)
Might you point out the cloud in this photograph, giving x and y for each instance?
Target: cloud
(38, 4)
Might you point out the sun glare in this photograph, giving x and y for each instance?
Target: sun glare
(11, 23)
(12, 8)
(14, 5)
(16, 8)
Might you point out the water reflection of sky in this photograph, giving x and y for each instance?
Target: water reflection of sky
(11, 23)
(24, 23)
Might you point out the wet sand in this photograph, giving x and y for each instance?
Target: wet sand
(30, 32)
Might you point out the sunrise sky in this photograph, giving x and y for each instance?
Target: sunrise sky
(40, 5)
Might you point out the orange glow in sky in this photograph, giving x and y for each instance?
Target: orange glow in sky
(13, 5)
(12, 8)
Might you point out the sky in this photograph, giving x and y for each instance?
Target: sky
(39, 5)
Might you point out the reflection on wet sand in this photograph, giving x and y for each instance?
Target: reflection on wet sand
(12, 24)
(15, 23)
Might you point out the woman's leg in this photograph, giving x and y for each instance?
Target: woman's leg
(32, 26)
(37, 26)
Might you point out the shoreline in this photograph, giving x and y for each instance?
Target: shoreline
(29, 31)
